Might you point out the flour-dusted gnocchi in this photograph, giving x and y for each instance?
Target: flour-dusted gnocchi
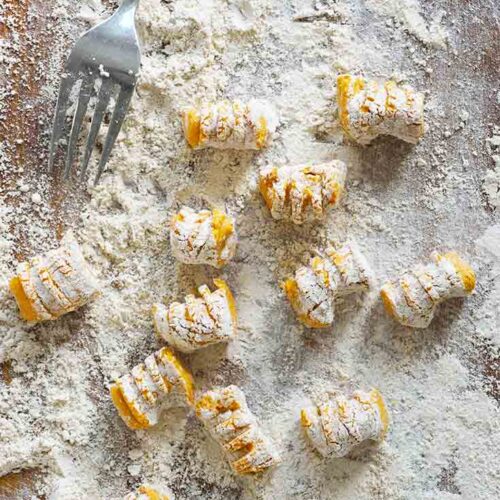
(230, 125)
(368, 108)
(204, 237)
(200, 321)
(50, 285)
(158, 383)
(302, 193)
(337, 424)
(313, 289)
(146, 493)
(227, 417)
(412, 298)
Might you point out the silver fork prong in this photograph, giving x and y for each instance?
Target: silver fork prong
(111, 52)
(83, 102)
(60, 115)
(117, 120)
(102, 104)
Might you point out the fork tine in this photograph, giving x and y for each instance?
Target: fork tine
(101, 106)
(83, 101)
(117, 120)
(60, 115)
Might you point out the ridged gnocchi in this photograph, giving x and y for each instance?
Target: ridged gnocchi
(225, 414)
(412, 298)
(58, 282)
(199, 321)
(230, 125)
(336, 424)
(313, 289)
(368, 108)
(146, 493)
(158, 383)
(302, 193)
(204, 237)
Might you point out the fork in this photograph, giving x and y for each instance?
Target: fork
(109, 52)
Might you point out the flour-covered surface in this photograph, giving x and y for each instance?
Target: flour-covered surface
(61, 437)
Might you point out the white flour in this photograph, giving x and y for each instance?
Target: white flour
(402, 202)
(491, 184)
(408, 14)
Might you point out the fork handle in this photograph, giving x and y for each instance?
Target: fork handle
(129, 4)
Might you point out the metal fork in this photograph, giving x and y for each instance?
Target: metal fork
(109, 52)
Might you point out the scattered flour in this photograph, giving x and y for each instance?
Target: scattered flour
(402, 202)
(491, 184)
(408, 14)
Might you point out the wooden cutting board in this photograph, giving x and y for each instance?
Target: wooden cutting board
(28, 32)
(27, 38)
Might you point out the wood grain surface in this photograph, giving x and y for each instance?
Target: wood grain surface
(24, 117)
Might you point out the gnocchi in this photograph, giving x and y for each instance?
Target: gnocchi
(302, 193)
(50, 285)
(368, 108)
(230, 125)
(337, 424)
(313, 289)
(413, 297)
(200, 321)
(205, 237)
(160, 382)
(230, 422)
